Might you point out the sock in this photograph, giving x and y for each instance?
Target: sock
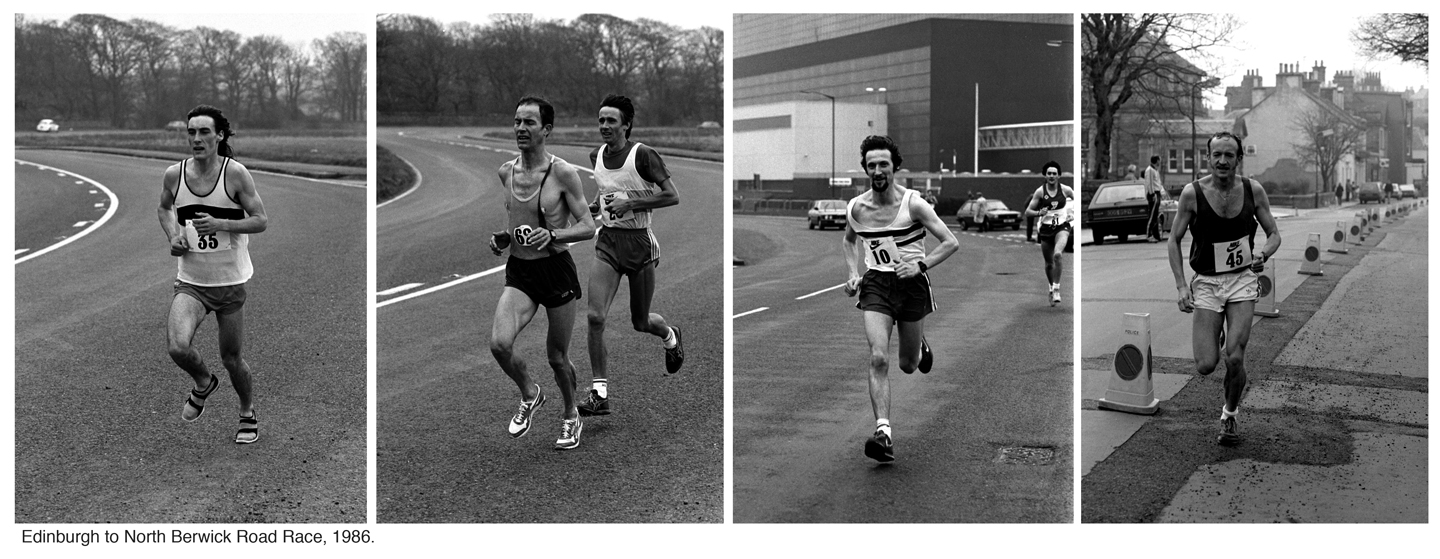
(670, 339)
(598, 385)
(1224, 413)
(883, 425)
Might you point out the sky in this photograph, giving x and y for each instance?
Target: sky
(1265, 42)
(292, 28)
(685, 19)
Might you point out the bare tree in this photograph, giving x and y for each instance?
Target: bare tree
(342, 73)
(108, 46)
(296, 75)
(1406, 36)
(1140, 60)
(1327, 136)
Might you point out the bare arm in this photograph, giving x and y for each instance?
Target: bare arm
(169, 185)
(1267, 222)
(853, 261)
(1183, 217)
(937, 228)
(254, 221)
(584, 226)
(1033, 208)
(667, 196)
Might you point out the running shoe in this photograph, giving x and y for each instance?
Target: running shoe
(880, 448)
(1229, 432)
(520, 424)
(927, 357)
(1055, 295)
(594, 405)
(675, 356)
(569, 434)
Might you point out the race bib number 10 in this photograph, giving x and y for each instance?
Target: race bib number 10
(1232, 255)
(213, 242)
(882, 253)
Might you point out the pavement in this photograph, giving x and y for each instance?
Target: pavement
(1335, 418)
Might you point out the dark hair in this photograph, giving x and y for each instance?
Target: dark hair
(222, 126)
(871, 143)
(547, 112)
(1048, 165)
(626, 107)
(1154, 159)
(1240, 153)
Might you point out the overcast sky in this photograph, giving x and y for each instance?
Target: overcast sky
(1303, 37)
(293, 28)
(683, 18)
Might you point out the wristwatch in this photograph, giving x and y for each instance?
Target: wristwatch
(923, 267)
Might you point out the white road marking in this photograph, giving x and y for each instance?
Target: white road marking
(819, 292)
(395, 290)
(82, 182)
(419, 178)
(441, 286)
(20, 250)
(80, 224)
(99, 204)
(109, 212)
(746, 313)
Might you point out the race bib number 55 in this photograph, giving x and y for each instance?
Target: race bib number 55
(213, 242)
(1232, 255)
(882, 253)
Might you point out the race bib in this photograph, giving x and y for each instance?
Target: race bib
(1055, 218)
(522, 234)
(214, 242)
(1232, 255)
(881, 253)
(606, 218)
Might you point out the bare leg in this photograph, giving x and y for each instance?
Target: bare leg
(1239, 315)
(1057, 252)
(642, 290)
(557, 350)
(186, 313)
(910, 334)
(877, 332)
(1205, 339)
(232, 341)
(1047, 250)
(512, 314)
(604, 281)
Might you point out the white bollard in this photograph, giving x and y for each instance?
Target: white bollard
(1311, 265)
(1357, 228)
(1337, 241)
(1131, 388)
(1265, 306)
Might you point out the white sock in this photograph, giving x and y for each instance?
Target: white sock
(883, 425)
(670, 339)
(598, 385)
(1225, 414)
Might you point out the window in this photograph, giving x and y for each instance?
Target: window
(1172, 160)
(1189, 160)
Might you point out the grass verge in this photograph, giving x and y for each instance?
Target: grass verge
(339, 147)
(393, 174)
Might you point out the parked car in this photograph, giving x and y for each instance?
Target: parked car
(824, 213)
(709, 124)
(1370, 192)
(47, 125)
(1119, 209)
(994, 214)
(176, 126)
(1407, 191)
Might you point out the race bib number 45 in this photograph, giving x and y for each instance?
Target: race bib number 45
(881, 253)
(213, 242)
(1232, 255)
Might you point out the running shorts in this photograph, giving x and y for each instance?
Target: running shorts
(550, 281)
(219, 300)
(1052, 231)
(627, 250)
(905, 300)
(1213, 292)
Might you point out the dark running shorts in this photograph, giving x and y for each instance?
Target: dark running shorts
(219, 300)
(1051, 232)
(905, 300)
(550, 281)
(627, 250)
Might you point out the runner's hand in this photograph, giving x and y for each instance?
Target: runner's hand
(178, 245)
(595, 207)
(1187, 300)
(539, 238)
(851, 286)
(204, 224)
(1259, 264)
(907, 270)
(499, 240)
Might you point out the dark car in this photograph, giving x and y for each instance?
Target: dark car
(1119, 209)
(1370, 192)
(825, 213)
(996, 214)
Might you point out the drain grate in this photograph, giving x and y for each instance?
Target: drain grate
(1026, 455)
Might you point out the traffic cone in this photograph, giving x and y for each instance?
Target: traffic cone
(1131, 388)
(1337, 241)
(1311, 265)
(1357, 228)
(1266, 305)
(1375, 218)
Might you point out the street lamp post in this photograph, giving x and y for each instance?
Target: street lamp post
(832, 135)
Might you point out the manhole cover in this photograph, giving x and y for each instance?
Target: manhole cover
(1026, 455)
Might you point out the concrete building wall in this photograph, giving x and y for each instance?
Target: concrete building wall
(1272, 132)
(781, 141)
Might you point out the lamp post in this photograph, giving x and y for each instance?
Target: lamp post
(1194, 148)
(832, 135)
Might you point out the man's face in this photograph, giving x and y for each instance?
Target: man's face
(203, 140)
(1052, 176)
(879, 168)
(1224, 157)
(611, 128)
(528, 130)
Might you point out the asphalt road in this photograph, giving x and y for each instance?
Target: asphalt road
(98, 436)
(443, 454)
(1002, 379)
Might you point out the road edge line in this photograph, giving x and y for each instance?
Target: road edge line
(110, 212)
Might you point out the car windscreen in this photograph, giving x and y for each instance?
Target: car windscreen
(995, 206)
(830, 205)
(1119, 193)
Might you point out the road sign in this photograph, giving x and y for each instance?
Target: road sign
(839, 181)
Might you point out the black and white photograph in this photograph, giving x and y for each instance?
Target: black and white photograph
(1271, 366)
(550, 236)
(208, 366)
(903, 273)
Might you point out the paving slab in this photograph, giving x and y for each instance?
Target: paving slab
(1102, 431)
(1384, 404)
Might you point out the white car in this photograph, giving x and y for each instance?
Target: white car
(1405, 191)
(47, 125)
